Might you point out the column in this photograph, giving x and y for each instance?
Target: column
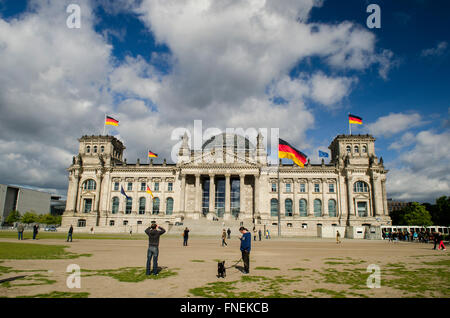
(295, 209)
(256, 209)
(136, 187)
(98, 181)
(198, 194)
(374, 195)
(212, 194)
(351, 212)
(383, 189)
(242, 194)
(227, 195)
(75, 191)
(310, 198)
(324, 198)
(182, 194)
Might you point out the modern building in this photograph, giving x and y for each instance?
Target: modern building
(20, 199)
(229, 180)
(394, 205)
(57, 205)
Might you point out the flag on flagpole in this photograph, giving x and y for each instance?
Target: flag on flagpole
(152, 154)
(323, 154)
(150, 192)
(352, 119)
(111, 121)
(123, 192)
(285, 150)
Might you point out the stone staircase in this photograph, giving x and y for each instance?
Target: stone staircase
(208, 227)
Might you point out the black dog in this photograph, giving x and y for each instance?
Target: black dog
(221, 270)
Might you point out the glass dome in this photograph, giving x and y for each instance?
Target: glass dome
(234, 141)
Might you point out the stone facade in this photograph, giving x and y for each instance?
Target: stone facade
(228, 179)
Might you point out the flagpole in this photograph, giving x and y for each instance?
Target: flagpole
(279, 199)
(104, 125)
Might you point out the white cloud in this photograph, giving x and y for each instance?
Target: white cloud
(394, 123)
(56, 83)
(423, 173)
(436, 51)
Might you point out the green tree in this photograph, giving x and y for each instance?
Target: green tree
(415, 214)
(13, 217)
(30, 217)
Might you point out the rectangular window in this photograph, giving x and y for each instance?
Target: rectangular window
(288, 187)
(156, 186)
(331, 187)
(116, 186)
(125, 222)
(170, 186)
(143, 186)
(81, 223)
(111, 223)
(87, 205)
(130, 186)
(274, 187)
(302, 187)
(316, 187)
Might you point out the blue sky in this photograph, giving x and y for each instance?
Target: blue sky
(159, 65)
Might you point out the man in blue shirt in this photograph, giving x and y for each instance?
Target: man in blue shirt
(246, 241)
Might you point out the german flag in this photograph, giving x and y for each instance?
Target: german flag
(111, 121)
(149, 191)
(352, 119)
(152, 154)
(285, 150)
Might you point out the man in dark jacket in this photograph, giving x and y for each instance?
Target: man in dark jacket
(35, 231)
(435, 239)
(246, 241)
(69, 234)
(153, 232)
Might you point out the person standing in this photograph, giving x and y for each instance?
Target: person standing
(20, 229)
(338, 237)
(254, 234)
(259, 234)
(435, 239)
(246, 241)
(35, 231)
(224, 236)
(153, 232)
(185, 236)
(69, 234)
(268, 234)
(229, 233)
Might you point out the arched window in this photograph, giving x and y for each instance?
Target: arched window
(142, 205)
(349, 149)
(89, 185)
(88, 149)
(360, 186)
(303, 207)
(356, 149)
(169, 206)
(273, 207)
(364, 149)
(288, 207)
(155, 206)
(115, 205)
(332, 208)
(317, 207)
(95, 149)
(102, 149)
(129, 205)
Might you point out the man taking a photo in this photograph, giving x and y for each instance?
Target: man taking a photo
(153, 232)
(246, 241)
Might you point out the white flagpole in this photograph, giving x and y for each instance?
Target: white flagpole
(104, 126)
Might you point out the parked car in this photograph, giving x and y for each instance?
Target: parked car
(50, 228)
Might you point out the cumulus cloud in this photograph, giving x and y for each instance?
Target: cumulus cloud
(227, 60)
(394, 123)
(422, 173)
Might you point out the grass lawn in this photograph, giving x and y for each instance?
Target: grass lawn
(28, 235)
(35, 251)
